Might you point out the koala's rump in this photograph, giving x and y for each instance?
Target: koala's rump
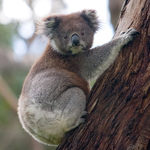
(39, 104)
(40, 108)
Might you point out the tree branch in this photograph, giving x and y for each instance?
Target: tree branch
(7, 93)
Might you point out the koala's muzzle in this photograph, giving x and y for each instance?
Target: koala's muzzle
(75, 40)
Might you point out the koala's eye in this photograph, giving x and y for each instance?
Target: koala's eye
(82, 33)
(65, 36)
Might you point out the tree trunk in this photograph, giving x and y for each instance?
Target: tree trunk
(119, 104)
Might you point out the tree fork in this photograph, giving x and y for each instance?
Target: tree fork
(119, 104)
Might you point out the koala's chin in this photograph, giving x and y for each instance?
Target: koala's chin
(76, 50)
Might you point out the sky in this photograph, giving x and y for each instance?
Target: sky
(22, 13)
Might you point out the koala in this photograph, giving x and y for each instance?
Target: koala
(56, 89)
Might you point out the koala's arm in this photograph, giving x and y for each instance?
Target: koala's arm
(97, 60)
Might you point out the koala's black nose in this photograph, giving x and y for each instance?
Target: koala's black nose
(75, 40)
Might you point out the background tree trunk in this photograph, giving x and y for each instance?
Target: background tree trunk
(115, 7)
(119, 104)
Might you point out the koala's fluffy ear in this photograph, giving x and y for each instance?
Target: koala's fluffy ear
(47, 26)
(91, 18)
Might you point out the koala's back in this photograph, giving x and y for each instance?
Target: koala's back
(56, 72)
(47, 86)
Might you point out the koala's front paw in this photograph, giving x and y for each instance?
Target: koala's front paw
(129, 35)
(130, 32)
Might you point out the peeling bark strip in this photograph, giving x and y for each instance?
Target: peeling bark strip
(120, 117)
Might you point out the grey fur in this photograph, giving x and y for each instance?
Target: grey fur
(97, 60)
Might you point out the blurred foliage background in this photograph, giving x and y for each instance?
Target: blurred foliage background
(19, 48)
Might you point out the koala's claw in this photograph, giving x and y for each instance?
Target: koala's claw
(84, 113)
(82, 120)
(122, 33)
(130, 32)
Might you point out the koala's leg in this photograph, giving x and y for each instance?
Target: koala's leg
(74, 109)
(49, 126)
(97, 60)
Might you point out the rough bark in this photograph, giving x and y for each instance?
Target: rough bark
(119, 104)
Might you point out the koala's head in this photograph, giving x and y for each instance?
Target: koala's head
(70, 34)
